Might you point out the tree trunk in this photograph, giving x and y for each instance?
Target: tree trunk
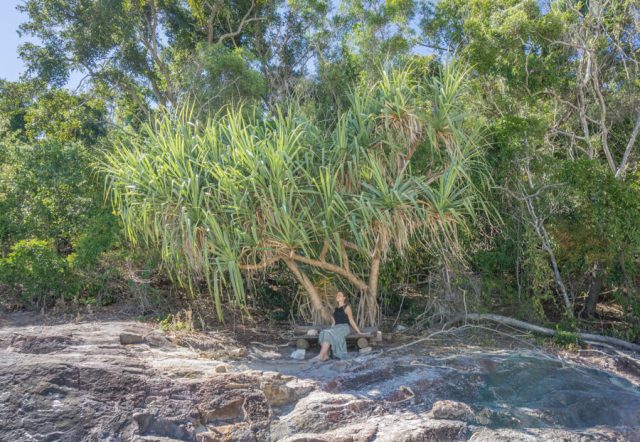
(368, 310)
(629, 281)
(597, 281)
(543, 235)
(319, 310)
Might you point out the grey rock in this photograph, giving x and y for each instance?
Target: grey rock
(451, 410)
(320, 412)
(75, 382)
(128, 338)
(240, 432)
(552, 435)
(156, 339)
(403, 427)
(222, 368)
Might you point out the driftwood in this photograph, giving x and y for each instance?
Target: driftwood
(542, 330)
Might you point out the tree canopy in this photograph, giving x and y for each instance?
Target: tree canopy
(246, 191)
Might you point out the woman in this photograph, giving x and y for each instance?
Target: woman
(334, 338)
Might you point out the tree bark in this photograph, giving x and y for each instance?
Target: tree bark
(627, 151)
(541, 231)
(597, 281)
(319, 310)
(369, 308)
(353, 279)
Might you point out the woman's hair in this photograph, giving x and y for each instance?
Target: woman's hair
(346, 298)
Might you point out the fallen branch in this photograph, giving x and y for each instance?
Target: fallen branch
(541, 330)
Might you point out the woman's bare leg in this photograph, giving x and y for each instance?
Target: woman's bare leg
(324, 352)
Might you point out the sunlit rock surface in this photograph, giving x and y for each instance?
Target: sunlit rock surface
(125, 381)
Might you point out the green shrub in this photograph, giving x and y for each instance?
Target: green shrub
(35, 270)
(568, 340)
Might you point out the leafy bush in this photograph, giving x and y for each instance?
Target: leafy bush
(48, 191)
(37, 272)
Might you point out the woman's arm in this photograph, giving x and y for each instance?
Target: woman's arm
(351, 321)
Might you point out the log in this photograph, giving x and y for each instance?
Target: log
(541, 330)
(302, 344)
(363, 342)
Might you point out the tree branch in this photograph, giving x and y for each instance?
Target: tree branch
(541, 330)
(260, 266)
(244, 22)
(310, 288)
(630, 144)
(353, 279)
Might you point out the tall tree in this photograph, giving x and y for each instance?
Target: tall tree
(130, 46)
(558, 82)
(245, 193)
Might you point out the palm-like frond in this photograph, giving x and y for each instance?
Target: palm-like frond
(245, 189)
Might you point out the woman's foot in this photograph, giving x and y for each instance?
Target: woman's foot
(320, 358)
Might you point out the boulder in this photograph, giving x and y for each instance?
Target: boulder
(400, 427)
(156, 339)
(222, 368)
(451, 410)
(406, 427)
(228, 433)
(321, 412)
(282, 391)
(128, 338)
(359, 432)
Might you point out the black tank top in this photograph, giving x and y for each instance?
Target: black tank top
(340, 316)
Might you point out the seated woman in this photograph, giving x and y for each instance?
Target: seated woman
(334, 338)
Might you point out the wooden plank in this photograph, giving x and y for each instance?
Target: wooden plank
(351, 337)
(305, 328)
(368, 332)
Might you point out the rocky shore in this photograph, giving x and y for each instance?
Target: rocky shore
(116, 380)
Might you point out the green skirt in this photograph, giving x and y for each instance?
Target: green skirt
(336, 336)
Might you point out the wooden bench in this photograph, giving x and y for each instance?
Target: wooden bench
(304, 340)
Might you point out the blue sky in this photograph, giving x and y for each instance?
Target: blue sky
(10, 65)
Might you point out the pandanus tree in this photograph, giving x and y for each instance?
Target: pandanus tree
(247, 190)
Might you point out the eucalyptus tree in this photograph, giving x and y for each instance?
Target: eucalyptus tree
(135, 49)
(558, 83)
(246, 191)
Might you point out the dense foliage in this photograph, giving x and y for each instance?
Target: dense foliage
(245, 192)
(313, 124)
